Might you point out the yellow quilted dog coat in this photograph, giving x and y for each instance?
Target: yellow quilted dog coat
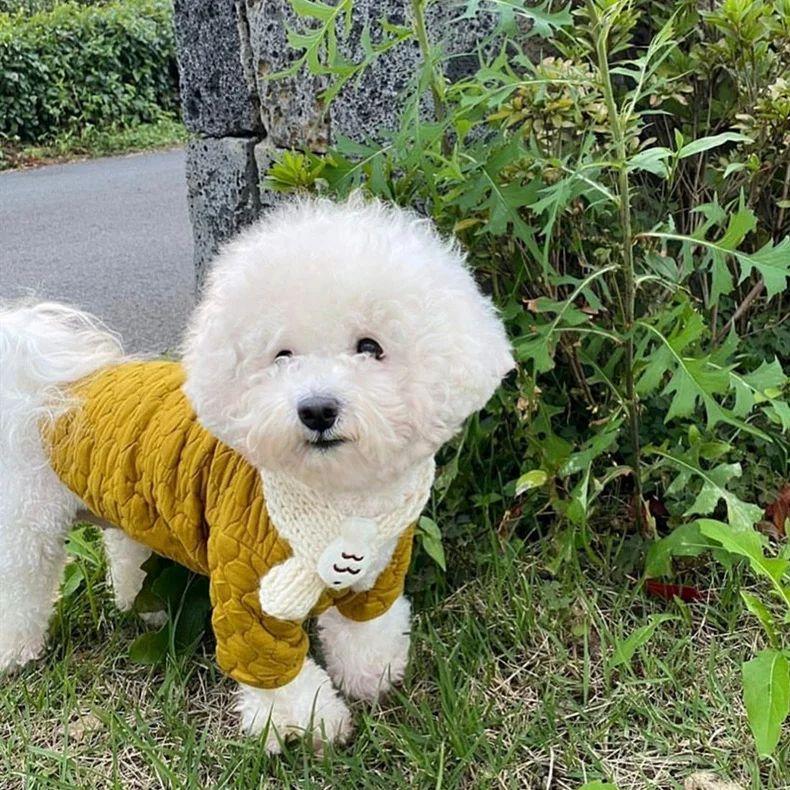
(133, 451)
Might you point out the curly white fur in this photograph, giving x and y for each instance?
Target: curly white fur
(313, 277)
(42, 347)
(125, 557)
(308, 705)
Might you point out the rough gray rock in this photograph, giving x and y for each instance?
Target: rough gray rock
(363, 111)
(265, 154)
(222, 192)
(217, 90)
(291, 110)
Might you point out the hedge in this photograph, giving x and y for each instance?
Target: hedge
(76, 66)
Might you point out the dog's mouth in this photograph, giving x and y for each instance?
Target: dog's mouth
(325, 443)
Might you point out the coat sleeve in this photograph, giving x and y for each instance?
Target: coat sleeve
(252, 647)
(388, 587)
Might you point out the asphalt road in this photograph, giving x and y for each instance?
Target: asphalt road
(111, 236)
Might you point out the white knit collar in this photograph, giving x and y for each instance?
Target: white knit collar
(309, 520)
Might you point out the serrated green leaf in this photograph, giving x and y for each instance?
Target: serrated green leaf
(754, 387)
(695, 381)
(742, 515)
(692, 380)
(657, 365)
(739, 225)
(537, 348)
(540, 344)
(779, 412)
(714, 215)
(772, 261)
(544, 20)
(665, 266)
(766, 695)
(722, 282)
(313, 10)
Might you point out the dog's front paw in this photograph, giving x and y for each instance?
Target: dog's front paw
(366, 659)
(308, 705)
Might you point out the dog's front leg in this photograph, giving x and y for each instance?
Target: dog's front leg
(308, 705)
(365, 659)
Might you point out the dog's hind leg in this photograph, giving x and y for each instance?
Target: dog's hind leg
(36, 512)
(125, 557)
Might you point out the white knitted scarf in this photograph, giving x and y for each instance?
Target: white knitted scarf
(338, 540)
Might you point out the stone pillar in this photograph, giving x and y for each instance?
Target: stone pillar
(240, 119)
(220, 107)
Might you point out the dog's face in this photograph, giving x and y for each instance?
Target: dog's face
(341, 343)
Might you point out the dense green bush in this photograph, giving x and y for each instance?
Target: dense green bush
(619, 174)
(77, 66)
(36, 6)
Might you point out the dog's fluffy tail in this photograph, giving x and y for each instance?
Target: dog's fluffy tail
(43, 348)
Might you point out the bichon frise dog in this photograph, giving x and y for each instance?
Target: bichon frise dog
(288, 456)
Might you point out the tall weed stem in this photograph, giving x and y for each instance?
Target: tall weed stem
(438, 86)
(617, 126)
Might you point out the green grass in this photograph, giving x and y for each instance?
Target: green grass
(165, 132)
(509, 687)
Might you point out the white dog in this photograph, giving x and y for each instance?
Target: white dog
(337, 346)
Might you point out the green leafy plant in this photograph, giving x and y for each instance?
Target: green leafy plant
(84, 567)
(619, 176)
(766, 677)
(183, 596)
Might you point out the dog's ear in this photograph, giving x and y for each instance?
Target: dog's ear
(210, 356)
(481, 356)
(465, 356)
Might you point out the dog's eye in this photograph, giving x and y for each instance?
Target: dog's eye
(367, 345)
(286, 352)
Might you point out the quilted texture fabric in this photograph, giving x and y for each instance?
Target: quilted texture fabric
(133, 451)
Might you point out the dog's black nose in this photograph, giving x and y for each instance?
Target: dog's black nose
(318, 413)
